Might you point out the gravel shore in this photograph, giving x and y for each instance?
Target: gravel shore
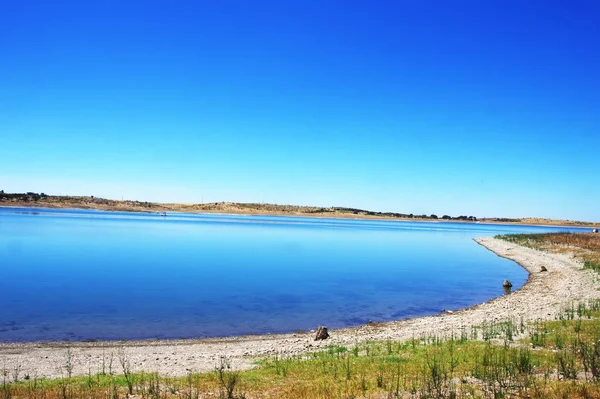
(541, 298)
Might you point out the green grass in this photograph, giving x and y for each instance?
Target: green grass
(555, 358)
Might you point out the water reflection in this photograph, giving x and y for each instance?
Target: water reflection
(115, 275)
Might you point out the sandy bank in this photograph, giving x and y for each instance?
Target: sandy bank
(542, 297)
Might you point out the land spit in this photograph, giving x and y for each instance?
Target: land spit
(542, 298)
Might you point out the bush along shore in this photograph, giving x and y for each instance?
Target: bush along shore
(549, 350)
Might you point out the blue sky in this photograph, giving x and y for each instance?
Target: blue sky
(485, 108)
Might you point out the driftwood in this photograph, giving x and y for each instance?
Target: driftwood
(321, 333)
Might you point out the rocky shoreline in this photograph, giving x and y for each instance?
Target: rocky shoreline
(541, 298)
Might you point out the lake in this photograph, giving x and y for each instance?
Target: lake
(76, 275)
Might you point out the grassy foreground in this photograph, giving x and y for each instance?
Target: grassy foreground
(509, 359)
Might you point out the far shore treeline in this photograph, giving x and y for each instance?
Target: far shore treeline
(32, 199)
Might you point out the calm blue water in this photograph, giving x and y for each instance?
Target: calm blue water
(76, 275)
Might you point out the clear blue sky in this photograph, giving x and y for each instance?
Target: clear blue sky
(485, 108)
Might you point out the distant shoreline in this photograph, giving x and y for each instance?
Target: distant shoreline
(303, 215)
(34, 200)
